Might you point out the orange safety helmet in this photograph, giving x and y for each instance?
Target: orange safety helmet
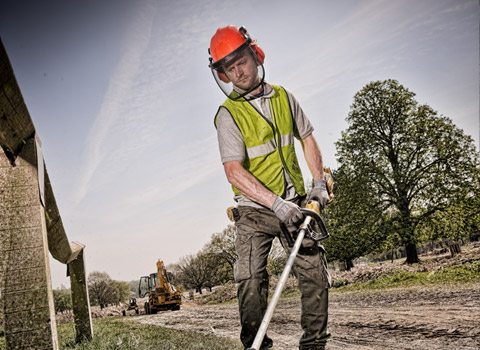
(227, 42)
(225, 45)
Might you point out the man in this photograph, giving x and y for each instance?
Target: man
(256, 126)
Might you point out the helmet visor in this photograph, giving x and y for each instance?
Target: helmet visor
(237, 84)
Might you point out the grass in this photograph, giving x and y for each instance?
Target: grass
(113, 334)
(468, 273)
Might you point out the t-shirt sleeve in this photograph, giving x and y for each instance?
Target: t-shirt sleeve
(302, 125)
(230, 138)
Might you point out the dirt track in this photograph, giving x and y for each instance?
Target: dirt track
(412, 319)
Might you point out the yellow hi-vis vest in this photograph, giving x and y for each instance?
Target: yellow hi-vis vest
(269, 144)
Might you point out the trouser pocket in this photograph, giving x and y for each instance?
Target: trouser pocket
(242, 268)
(311, 262)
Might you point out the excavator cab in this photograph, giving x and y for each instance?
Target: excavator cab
(144, 286)
(147, 283)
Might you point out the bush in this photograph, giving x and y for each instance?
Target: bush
(62, 299)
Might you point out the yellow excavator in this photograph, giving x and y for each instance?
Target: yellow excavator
(162, 294)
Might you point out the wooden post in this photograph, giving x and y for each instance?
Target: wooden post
(29, 313)
(80, 302)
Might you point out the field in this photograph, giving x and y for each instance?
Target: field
(432, 305)
(413, 318)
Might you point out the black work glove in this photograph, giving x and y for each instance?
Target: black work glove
(319, 192)
(286, 211)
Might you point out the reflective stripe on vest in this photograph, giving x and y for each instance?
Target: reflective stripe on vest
(265, 159)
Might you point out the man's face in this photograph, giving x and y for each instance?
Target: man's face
(243, 72)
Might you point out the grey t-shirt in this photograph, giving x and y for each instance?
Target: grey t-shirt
(230, 138)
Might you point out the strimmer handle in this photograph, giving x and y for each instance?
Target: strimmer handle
(312, 209)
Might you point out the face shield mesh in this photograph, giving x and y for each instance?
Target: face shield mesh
(256, 72)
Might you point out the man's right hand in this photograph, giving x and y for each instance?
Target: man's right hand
(286, 211)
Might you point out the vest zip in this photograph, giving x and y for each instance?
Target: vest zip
(278, 142)
(279, 146)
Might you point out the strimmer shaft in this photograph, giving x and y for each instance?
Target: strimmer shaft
(281, 283)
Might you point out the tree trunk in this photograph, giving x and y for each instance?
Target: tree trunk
(412, 255)
(348, 264)
(454, 248)
(475, 236)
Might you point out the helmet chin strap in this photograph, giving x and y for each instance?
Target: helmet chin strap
(242, 93)
(256, 85)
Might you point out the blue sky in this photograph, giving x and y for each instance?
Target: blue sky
(122, 97)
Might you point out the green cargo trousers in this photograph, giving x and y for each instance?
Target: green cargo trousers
(256, 230)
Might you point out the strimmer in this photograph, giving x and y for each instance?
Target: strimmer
(312, 216)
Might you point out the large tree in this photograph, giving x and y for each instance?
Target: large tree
(412, 161)
(102, 290)
(197, 271)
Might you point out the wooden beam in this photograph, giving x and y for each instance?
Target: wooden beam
(16, 126)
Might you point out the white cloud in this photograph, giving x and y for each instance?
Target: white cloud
(118, 90)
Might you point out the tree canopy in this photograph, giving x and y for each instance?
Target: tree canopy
(62, 299)
(103, 290)
(407, 163)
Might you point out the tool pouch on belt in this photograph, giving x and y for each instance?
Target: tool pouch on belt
(233, 214)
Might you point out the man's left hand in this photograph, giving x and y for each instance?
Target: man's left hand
(319, 192)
